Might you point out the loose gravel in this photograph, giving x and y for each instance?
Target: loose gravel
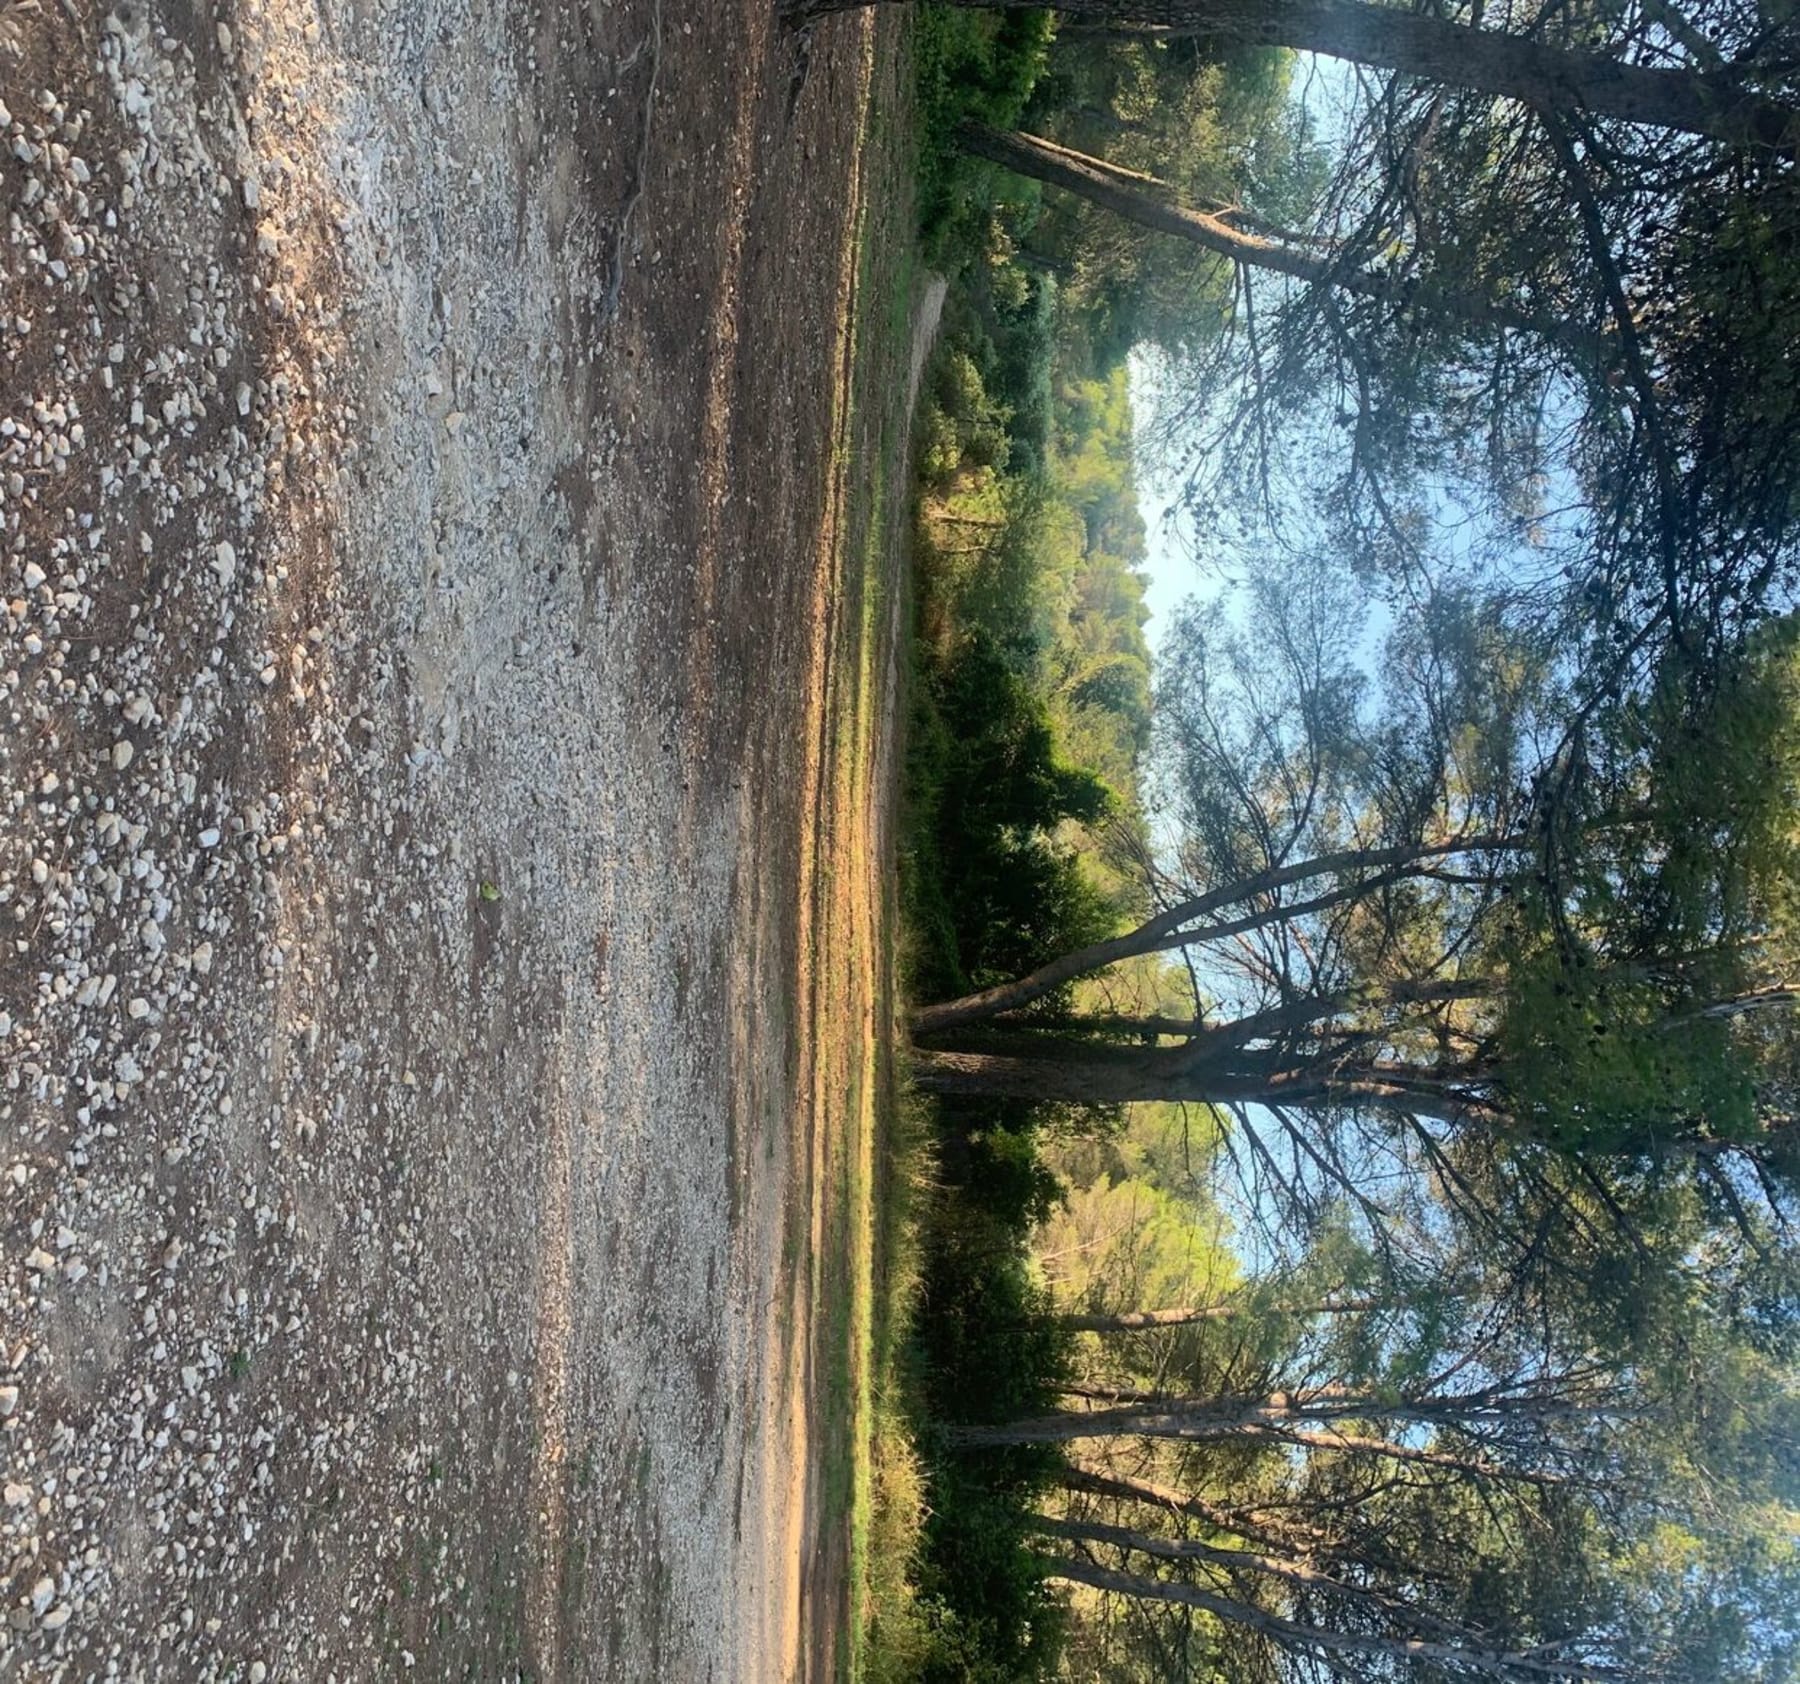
(403, 639)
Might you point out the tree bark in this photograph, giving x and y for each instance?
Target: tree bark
(1288, 1538)
(1275, 1421)
(1135, 1321)
(1152, 206)
(1294, 1634)
(1293, 1539)
(1303, 1575)
(1168, 929)
(1048, 1072)
(1086, 1480)
(1715, 104)
(1075, 1425)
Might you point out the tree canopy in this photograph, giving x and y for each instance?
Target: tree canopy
(1448, 892)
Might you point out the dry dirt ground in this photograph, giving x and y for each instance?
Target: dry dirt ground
(441, 775)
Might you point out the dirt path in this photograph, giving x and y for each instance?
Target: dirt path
(421, 474)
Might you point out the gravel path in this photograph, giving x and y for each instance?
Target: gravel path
(415, 469)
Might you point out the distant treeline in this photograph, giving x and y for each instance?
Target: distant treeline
(1461, 961)
(1030, 713)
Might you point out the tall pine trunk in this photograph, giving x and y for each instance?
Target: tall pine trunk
(1296, 1635)
(1148, 205)
(1702, 102)
(1136, 1321)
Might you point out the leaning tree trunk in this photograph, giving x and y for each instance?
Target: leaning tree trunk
(1137, 1321)
(1150, 207)
(1285, 1536)
(1296, 1635)
(1352, 871)
(1289, 1538)
(1715, 104)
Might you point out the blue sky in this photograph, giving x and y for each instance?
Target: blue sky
(1168, 565)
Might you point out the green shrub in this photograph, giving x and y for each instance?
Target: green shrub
(989, 891)
(969, 64)
(987, 1351)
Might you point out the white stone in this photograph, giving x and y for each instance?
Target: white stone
(225, 563)
(34, 575)
(121, 754)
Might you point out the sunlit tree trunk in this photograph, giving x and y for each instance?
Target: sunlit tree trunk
(1296, 1635)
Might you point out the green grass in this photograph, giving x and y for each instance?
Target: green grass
(880, 1486)
(886, 1186)
(945, 66)
(892, 1629)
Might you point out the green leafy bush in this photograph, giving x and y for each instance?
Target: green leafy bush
(969, 64)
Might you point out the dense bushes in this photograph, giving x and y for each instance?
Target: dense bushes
(994, 893)
(1028, 708)
(970, 64)
(986, 1352)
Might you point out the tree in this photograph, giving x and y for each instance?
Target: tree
(1482, 958)
(1605, 1513)
(1470, 1659)
(1223, 130)
(1478, 359)
(1404, 931)
(1150, 203)
(1138, 1321)
(1584, 1656)
(1716, 103)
